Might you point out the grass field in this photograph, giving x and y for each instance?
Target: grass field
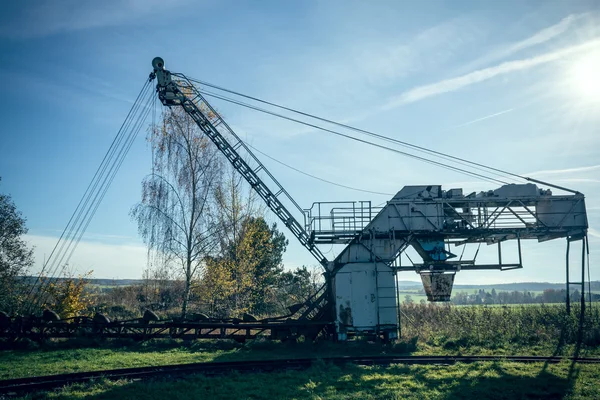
(65, 357)
(490, 380)
(540, 330)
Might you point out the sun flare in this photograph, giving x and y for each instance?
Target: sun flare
(586, 76)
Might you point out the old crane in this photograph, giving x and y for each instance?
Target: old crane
(360, 294)
(361, 291)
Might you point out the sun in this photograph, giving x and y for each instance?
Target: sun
(586, 76)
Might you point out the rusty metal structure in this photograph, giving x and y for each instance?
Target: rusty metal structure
(360, 291)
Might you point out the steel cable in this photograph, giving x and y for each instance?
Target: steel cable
(102, 190)
(426, 160)
(460, 160)
(52, 263)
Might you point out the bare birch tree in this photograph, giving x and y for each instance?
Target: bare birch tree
(173, 214)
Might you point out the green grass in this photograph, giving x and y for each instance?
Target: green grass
(49, 361)
(541, 330)
(489, 380)
(57, 358)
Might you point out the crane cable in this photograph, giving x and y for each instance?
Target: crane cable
(99, 187)
(460, 160)
(314, 176)
(95, 192)
(85, 198)
(426, 160)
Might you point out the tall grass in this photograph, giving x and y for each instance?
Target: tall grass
(493, 327)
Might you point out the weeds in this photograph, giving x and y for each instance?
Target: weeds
(453, 327)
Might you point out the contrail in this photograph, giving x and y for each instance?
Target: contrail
(453, 84)
(484, 118)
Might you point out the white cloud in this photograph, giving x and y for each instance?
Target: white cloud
(544, 35)
(392, 58)
(565, 171)
(578, 180)
(540, 37)
(594, 233)
(51, 17)
(453, 84)
(106, 260)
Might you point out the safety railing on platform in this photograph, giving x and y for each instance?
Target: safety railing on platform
(338, 221)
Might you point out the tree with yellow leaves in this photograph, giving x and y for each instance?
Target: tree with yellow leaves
(244, 276)
(68, 296)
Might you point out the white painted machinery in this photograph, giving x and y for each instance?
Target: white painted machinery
(430, 220)
(360, 295)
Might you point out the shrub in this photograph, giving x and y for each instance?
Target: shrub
(492, 326)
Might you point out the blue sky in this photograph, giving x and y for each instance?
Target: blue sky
(510, 84)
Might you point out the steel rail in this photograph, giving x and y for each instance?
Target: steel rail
(32, 384)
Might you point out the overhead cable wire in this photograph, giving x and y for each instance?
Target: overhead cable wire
(116, 167)
(426, 160)
(88, 214)
(315, 177)
(460, 160)
(106, 183)
(76, 222)
(73, 219)
(102, 185)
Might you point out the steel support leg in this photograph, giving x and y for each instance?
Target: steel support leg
(582, 276)
(568, 299)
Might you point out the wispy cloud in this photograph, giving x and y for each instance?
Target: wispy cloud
(564, 171)
(453, 84)
(594, 233)
(484, 118)
(385, 61)
(107, 260)
(543, 36)
(577, 180)
(51, 17)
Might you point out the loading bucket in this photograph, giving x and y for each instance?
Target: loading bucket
(438, 286)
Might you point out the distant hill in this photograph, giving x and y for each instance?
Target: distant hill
(409, 283)
(99, 282)
(115, 282)
(402, 285)
(518, 286)
(530, 286)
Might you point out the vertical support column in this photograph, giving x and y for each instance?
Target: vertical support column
(377, 300)
(499, 253)
(568, 284)
(582, 276)
(398, 306)
(519, 247)
(587, 256)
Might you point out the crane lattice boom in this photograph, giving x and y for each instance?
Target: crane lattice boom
(177, 90)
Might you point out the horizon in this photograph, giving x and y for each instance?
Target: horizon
(512, 85)
(400, 282)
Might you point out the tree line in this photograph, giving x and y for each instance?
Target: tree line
(514, 297)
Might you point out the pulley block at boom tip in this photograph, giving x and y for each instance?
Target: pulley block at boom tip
(175, 92)
(158, 63)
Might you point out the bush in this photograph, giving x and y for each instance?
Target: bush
(460, 326)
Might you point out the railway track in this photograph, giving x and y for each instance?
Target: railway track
(33, 384)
